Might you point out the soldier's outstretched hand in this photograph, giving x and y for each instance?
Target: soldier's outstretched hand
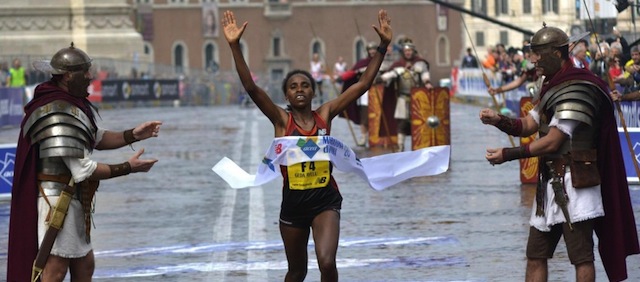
(489, 116)
(147, 130)
(384, 31)
(231, 30)
(140, 165)
(494, 156)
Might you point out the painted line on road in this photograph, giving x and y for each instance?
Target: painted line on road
(377, 263)
(257, 227)
(272, 245)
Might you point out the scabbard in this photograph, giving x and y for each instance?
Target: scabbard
(557, 169)
(58, 215)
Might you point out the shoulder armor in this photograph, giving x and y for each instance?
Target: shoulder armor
(61, 129)
(575, 101)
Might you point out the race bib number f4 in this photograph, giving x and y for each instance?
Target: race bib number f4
(308, 175)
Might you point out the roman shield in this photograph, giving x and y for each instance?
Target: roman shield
(528, 166)
(430, 123)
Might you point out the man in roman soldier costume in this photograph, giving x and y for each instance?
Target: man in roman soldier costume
(408, 72)
(55, 178)
(582, 185)
(358, 112)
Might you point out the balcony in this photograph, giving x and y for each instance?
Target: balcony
(277, 9)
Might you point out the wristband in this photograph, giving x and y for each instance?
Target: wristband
(522, 152)
(120, 169)
(381, 50)
(511, 126)
(128, 136)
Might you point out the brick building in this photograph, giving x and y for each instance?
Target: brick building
(283, 34)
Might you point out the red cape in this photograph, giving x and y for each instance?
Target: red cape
(23, 223)
(353, 111)
(616, 231)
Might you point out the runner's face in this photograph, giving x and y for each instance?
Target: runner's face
(299, 90)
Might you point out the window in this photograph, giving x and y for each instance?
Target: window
(276, 41)
(479, 6)
(504, 37)
(526, 7)
(316, 47)
(210, 58)
(443, 51)
(178, 58)
(501, 7)
(360, 50)
(550, 6)
(479, 39)
(148, 49)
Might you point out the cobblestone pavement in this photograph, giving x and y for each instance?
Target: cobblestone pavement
(181, 222)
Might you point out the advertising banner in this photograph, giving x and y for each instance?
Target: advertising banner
(7, 160)
(140, 90)
(11, 106)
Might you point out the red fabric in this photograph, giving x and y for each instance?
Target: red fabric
(349, 78)
(23, 223)
(615, 72)
(348, 75)
(616, 231)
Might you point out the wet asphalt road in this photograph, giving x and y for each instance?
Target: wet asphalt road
(181, 222)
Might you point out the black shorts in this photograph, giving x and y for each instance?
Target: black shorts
(303, 220)
(579, 242)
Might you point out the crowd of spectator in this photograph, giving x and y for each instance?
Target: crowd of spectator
(612, 59)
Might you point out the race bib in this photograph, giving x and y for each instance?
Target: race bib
(308, 175)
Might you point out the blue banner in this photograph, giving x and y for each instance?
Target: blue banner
(7, 161)
(11, 106)
(630, 112)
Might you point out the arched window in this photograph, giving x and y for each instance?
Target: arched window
(443, 51)
(180, 58)
(210, 57)
(360, 49)
(148, 49)
(316, 47)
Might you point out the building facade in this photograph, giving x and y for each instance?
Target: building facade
(574, 17)
(282, 35)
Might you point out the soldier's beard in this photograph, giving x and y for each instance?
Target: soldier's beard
(549, 63)
(78, 85)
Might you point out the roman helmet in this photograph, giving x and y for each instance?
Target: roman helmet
(70, 59)
(548, 37)
(372, 45)
(407, 43)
